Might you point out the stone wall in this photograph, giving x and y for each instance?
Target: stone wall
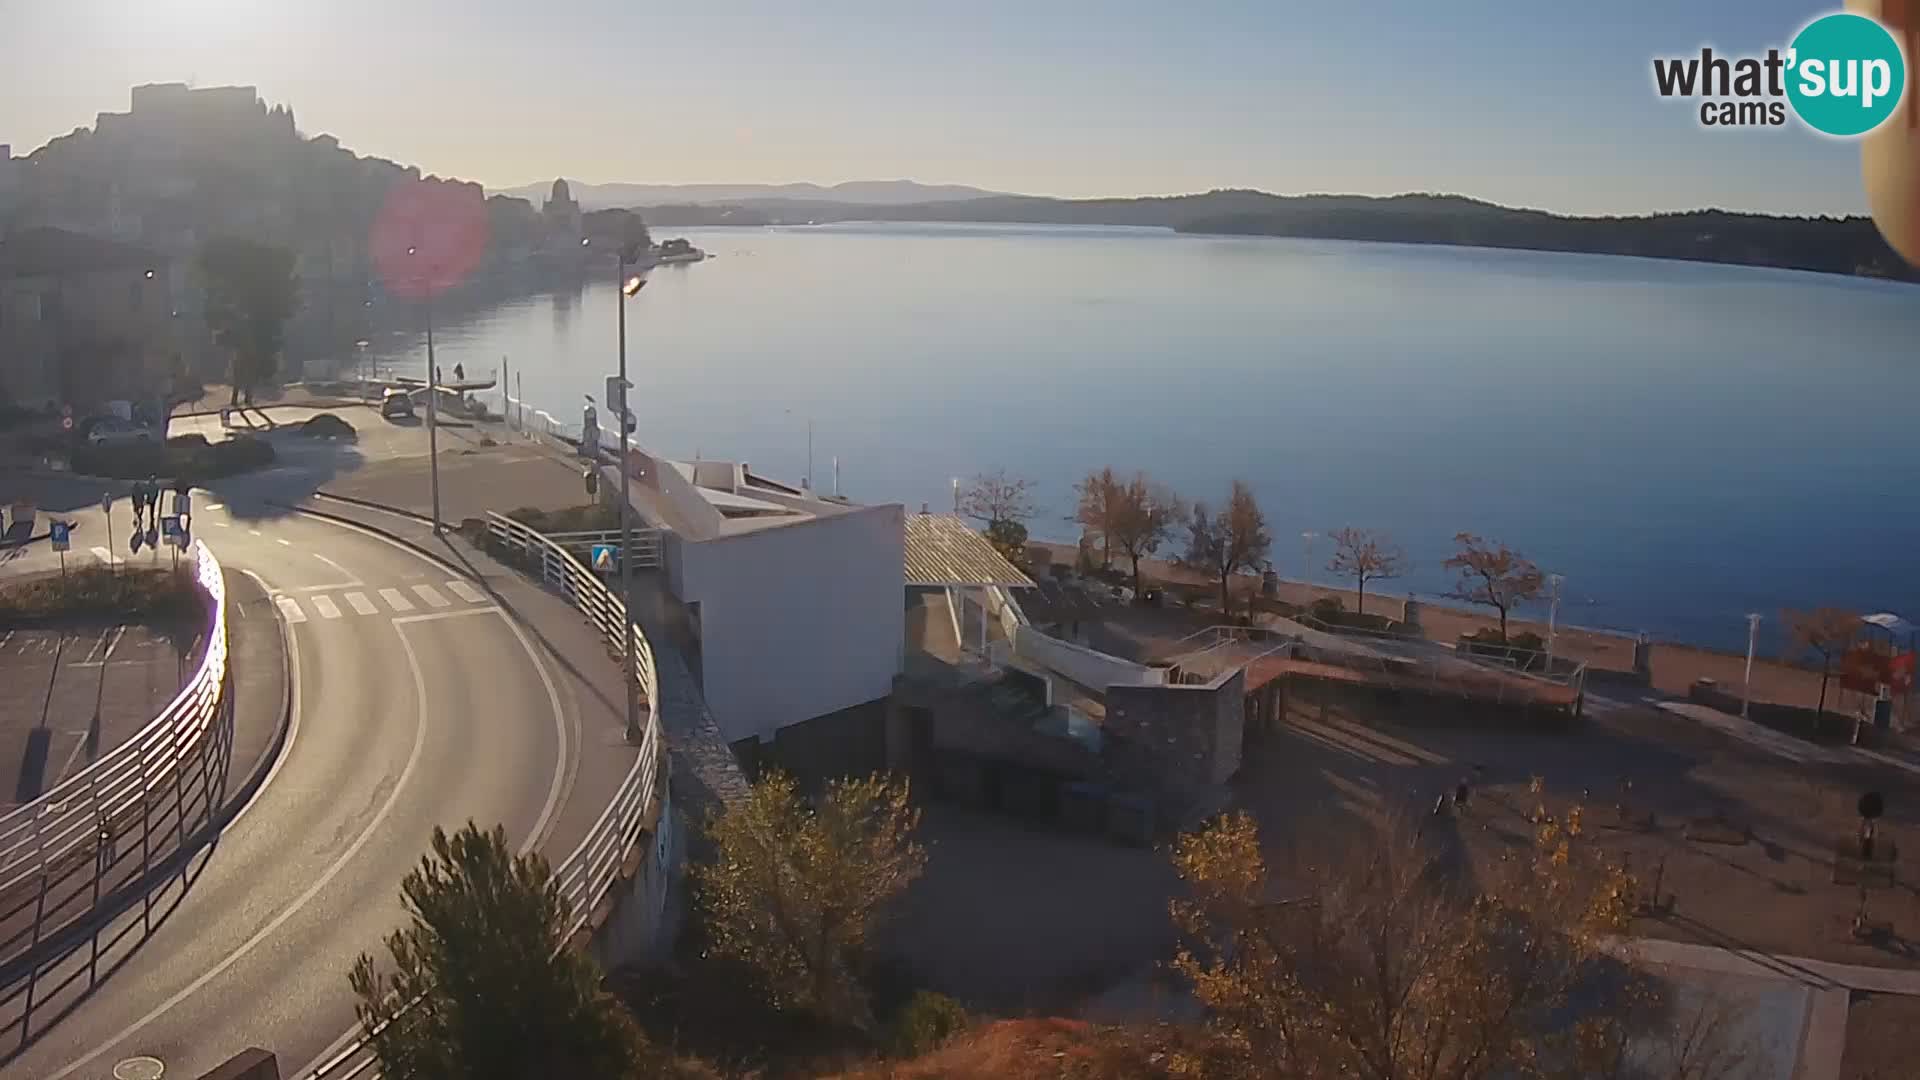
(1181, 740)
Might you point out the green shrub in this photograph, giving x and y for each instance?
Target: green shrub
(924, 1024)
(1009, 538)
(95, 590)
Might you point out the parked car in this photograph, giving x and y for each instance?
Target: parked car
(113, 431)
(396, 403)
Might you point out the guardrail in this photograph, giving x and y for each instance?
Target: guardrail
(586, 874)
(106, 826)
(580, 544)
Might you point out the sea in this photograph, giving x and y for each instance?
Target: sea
(1684, 443)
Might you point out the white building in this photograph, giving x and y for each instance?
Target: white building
(795, 601)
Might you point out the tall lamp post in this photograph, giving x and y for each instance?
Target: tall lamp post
(1746, 684)
(1553, 615)
(629, 287)
(433, 391)
(1306, 561)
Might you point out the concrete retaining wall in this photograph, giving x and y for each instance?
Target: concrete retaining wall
(1091, 669)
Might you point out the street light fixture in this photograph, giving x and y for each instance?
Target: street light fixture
(1306, 560)
(1746, 686)
(629, 287)
(1553, 615)
(433, 392)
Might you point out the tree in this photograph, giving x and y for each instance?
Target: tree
(1382, 962)
(796, 888)
(1099, 496)
(1141, 517)
(500, 993)
(1004, 503)
(1365, 555)
(1493, 575)
(1827, 632)
(1221, 544)
(251, 293)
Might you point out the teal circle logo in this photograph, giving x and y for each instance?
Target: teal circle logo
(1845, 74)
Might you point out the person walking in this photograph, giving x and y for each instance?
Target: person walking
(459, 373)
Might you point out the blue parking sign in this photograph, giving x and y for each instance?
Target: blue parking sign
(58, 533)
(603, 557)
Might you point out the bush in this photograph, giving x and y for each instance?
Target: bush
(95, 590)
(924, 1024)
(1525, 650)
(1328, 609)
(327, 426)
(192, 443)
(182, 456)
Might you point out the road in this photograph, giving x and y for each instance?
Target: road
(418, 703)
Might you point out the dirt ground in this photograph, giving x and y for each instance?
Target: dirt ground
(1741, 844)
(1880, 1038)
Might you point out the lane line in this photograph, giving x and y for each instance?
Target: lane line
(566, 767)
(361, 605)
(432, 596)
(214, 506)
(253, 532)
(333, 871)
(465, 592)
(396, 600)
(344, 572)
(284, 541)
(325, 606)
(436, 616)
(290, 609)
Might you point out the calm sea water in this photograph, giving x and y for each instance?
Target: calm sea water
(1686, 443)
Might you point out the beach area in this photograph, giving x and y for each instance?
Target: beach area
(1674, 667)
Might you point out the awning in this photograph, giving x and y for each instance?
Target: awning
(943, 550)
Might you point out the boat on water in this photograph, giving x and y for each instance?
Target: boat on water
(677, 250)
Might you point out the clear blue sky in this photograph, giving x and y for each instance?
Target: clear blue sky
(1546, 104)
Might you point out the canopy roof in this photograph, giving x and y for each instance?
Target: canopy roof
(943, 550)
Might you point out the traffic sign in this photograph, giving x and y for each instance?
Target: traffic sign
(182, 503)
(106, 502)
(57, 533)
(170, 528)
(66, 423)
(603, 556)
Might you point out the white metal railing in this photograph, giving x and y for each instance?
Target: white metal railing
(112, 807)
(644, 542)
(585, 875)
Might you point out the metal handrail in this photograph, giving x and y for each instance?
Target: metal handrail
(586, 874)
(42, 834)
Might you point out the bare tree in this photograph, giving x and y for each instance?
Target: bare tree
(998, 496)
(1365, 555)
(1143, 515)
(1095, 511)
(1380, 961)
(1223, 543)
(1827, 632)
(1493, 575)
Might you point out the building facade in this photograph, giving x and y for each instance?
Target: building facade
(84, 320)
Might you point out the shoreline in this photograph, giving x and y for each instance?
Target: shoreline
(1675, 666)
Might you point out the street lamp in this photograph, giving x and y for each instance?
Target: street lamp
(1746, 686)
(433, 391)
(1306, 561)
(629, 286)
(1553, 615)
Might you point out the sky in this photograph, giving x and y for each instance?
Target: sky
(1546, 104)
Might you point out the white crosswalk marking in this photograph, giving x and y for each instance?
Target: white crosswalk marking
(396, 599)
(432, 596)
(465, 591)
(290, 609)
(361, 605)
(325, 606)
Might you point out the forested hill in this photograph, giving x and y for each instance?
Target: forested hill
(1848, 245)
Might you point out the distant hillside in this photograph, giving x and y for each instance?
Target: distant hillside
(853, 192)
(1826, 244)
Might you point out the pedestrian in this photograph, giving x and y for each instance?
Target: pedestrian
(459, 373)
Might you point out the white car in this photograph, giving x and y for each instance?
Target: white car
(111, 431)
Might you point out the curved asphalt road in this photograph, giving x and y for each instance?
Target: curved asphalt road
(404, 720)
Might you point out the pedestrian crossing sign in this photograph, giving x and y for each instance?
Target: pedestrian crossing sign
(603, 557)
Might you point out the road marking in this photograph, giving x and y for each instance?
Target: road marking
(396, 600)
(284, 541)
(325, 606)
(219, 524)
(333, 871)
(432, 596)
(253, 532)
(434, 616)
(214, 506)
(465, 591)
(361, 605)
(344, 572)
(290, 610)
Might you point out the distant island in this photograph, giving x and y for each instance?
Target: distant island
(853, 192)
(1833, 245)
